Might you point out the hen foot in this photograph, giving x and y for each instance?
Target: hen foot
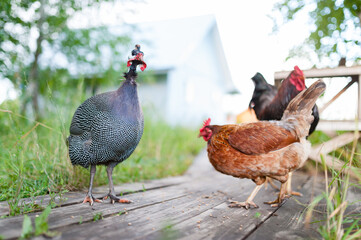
(89, 198)
(289, 194)
(114, 199)
(246, 204)
(276, 203)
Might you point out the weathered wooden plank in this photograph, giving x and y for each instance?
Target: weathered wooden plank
(332, 144)
(194, 206)
(77, 197)
(160, 217)
(222, 222)
(338, 125)
(71, 214)
(288, 222)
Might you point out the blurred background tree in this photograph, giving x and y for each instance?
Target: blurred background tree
(335, 31)
(38, 48)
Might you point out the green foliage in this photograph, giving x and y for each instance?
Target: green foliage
(27, 229)
(336, 25)
(41, 225)
(167, 231)
(318, 137)
(82, 50)
(98, 216)
(257, 215)
(41, 222)
(339, 223)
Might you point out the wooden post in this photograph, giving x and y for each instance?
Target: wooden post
(338, 94)
(359, 98)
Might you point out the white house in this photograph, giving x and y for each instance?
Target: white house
(188, 58)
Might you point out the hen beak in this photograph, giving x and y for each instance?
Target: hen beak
(199, 135)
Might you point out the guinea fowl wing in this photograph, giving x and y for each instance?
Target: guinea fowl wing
(260, 137)
(86, 112)
(114, 138)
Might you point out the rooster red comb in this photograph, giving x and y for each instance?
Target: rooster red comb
(297, 78)
(206, 122)
(298, 71)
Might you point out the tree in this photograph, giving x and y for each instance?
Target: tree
(28, 27)
(336, 26)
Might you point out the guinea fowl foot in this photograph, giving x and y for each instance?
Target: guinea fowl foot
(114, 199)
(246, 204)
(91, 199)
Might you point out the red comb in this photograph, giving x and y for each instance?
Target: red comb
(206, 122)
(298, 70)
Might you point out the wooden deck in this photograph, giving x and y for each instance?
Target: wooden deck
(193, 206)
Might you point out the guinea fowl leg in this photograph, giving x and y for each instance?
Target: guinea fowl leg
(249, 200)
(89, 196)
(281, 196)
(111, 194)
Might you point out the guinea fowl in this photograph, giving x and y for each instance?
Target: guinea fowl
(106, 128)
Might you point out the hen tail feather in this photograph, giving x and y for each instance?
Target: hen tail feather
(300, 108)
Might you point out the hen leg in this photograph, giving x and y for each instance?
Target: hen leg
(89, 196)
(249, 200)
(281, 196)
(289, 187)
(270, 182)
(111, 194)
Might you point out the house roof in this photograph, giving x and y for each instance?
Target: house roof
(167, 44)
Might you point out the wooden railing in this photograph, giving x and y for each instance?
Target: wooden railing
(353, 72)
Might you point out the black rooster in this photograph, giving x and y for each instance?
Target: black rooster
(269, 104)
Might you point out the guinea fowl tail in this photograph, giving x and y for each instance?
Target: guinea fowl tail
(300, 108)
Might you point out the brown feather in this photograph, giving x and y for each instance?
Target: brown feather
(264, 136)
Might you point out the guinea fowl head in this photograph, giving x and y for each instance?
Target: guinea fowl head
(205, 132)
(297, 79)
(133, 62)
(136, 60)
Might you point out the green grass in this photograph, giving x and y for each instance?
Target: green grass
(340, 222)
(34, 160)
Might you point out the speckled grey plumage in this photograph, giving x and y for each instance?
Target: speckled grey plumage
(107, 128)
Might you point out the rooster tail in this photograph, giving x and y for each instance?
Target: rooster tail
(300, 108)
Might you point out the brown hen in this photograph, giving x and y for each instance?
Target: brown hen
(266, 148)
